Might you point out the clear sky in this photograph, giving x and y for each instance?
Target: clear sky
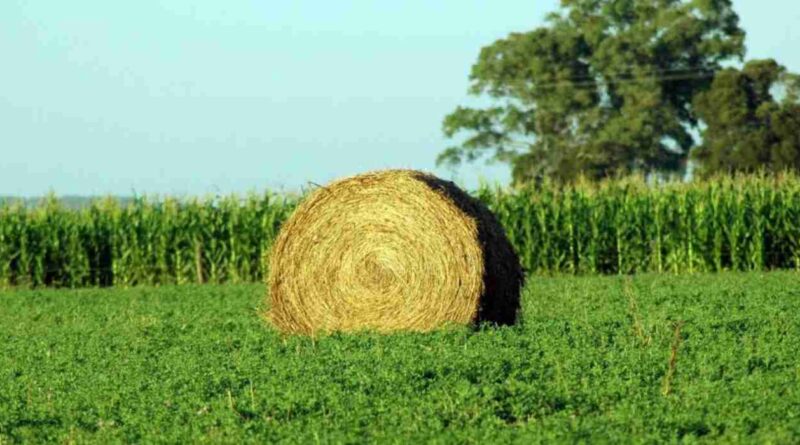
(195, 97)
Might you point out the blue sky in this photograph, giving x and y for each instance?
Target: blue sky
(194, 97)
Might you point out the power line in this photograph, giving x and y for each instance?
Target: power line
(590, 81)
(652, 73)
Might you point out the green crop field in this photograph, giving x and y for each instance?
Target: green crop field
(745, 223)
(599, 359)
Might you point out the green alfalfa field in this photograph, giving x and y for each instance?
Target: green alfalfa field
(648, 358)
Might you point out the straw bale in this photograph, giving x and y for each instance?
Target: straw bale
(387, 251)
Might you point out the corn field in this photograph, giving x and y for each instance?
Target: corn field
(626, 226)
(147, 241)
(613, 227)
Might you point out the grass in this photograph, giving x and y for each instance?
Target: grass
(598, 359)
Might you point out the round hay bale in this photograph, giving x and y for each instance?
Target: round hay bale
(391, 250)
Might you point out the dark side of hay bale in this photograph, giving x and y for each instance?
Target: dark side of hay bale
(391, 250)
(502, 274)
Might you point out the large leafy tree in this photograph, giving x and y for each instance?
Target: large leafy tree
(606, 85)
(746, 127)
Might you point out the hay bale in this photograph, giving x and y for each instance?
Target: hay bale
(391, 250)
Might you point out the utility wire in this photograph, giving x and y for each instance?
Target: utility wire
(589, 81)
(652, 73)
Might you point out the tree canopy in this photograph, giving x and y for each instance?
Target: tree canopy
(604, 86)
(747, 128)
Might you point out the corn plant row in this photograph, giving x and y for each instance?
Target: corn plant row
(147, 241)
(629, 226)
(613, 227)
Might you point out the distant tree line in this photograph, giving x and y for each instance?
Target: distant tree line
(73, 202)
(620, 86)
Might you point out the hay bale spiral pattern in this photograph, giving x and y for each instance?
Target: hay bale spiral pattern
(391, 250)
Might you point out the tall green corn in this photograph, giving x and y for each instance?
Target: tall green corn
(619, 226)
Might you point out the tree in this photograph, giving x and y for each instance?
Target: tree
(746, 128)
(606, 85)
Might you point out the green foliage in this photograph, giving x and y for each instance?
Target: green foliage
(145, 241)
(627, 226)
(615, 226)
(591, 363)
(747, 129)
(606, 86)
